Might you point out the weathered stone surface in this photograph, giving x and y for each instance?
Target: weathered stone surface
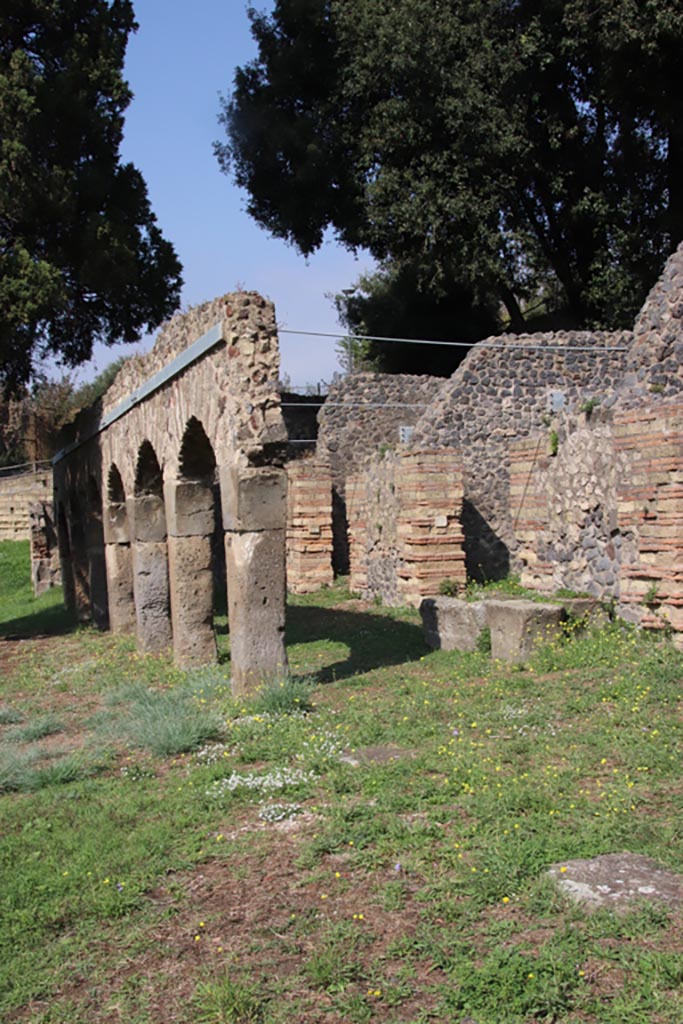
(97, 587)
(189, 508)
(404, 529)
(617, 880)
(151, 589)
(115, 524)
(450, 624)
(255, 566)
(519, 626)
(253, 499)
(45, 564)
(147, 516)
(191, 594)
(119, 563)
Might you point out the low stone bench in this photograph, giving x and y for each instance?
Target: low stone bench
(517, 625)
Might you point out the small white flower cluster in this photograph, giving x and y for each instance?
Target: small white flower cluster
(325, 746)
(278, 778)
(511, 711)
(278, 812)
(212, 753)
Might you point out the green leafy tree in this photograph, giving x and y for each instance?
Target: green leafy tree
(81, 256)
(389, 303)
(510, 147)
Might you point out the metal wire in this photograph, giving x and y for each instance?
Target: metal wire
(461, 344)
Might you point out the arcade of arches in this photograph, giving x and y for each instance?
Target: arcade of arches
(178, 471)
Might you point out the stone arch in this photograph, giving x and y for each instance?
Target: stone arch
(150, 553)
(118, 555)
(192, 545)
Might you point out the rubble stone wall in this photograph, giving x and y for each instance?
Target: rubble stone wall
(509, 388)
(604, 512)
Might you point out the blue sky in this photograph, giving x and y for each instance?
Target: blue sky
(182, 57)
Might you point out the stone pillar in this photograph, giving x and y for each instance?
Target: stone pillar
(97, 572)
(254, 505)
(189, 517)
(80, 563)
(150, 573)
(119, 565)
(68, 584)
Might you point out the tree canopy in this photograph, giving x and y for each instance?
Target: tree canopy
(516, 147)
(81, 256)
(389, 303)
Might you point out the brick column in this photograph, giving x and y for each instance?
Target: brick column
(118, 558)
(150, 573)
(254, 503)
(190, 521)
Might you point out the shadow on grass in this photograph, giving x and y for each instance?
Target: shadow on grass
(53, 621)
(374, 640)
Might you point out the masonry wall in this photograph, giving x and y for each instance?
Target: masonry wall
(46, 570)
(184, 447)
(604, 514)
(404, 525)
(649, 439)
(563, 506)
(309, 525)
(17, 494)
(506, 389)
(363, 415)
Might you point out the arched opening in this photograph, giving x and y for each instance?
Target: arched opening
(150, 554)
(149, 478)
(197, 463)
(196, 560)
(116, 493)
(197, 460)
(118, 555)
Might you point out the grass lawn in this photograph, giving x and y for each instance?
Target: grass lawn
(367, 842)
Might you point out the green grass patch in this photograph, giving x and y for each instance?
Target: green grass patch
(21, 613)
(380, 857)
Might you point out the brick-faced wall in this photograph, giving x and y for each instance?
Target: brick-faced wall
(404, 525)
(309, 525)
(650, 509)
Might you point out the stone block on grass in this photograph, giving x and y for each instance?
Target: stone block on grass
(450, 624)
(519, 627)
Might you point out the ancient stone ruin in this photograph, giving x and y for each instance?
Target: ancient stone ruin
(176, 471)
(555, 456)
